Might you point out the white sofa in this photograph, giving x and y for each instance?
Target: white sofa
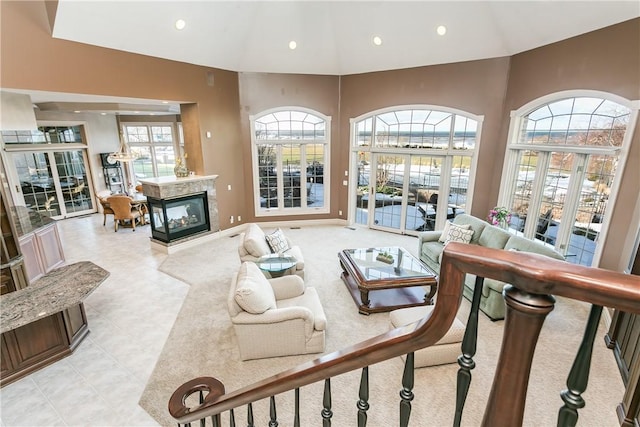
(253, 245)
(275, 317)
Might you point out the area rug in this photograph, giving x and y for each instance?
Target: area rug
(202, 343)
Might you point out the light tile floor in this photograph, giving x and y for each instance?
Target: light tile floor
(129, 315)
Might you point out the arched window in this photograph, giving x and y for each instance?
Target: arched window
(291, 161)
(412, 167)
(560, 169)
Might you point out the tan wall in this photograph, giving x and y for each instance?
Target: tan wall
(32, 59)
(607, 60)
(262, 91)
(476, 87)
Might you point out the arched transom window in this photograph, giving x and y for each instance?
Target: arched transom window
(291, 162)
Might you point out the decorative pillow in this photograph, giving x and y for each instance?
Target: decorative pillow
(277, 242)
(458, 234)
(254, 293)
(445, 230)
(254, 241)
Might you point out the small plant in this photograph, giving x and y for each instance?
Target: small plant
(499, 216)
(385, 257)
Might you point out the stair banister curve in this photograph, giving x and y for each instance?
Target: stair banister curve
(529, 275)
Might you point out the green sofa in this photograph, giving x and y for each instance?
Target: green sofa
(487, 235)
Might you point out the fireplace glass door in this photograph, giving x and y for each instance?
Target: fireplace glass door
(180, 217)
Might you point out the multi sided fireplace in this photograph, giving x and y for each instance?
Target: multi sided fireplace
(178, 217)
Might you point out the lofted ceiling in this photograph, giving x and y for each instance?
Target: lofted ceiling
(332, 37)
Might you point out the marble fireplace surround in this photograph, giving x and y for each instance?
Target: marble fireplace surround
(168, 187)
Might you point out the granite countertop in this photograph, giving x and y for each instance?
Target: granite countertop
(170, 180)
(27, 221)
(58, 290)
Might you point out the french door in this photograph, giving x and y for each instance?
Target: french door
(400, 192)
(53, 183)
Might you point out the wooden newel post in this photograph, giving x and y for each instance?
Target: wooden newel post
(524, 318)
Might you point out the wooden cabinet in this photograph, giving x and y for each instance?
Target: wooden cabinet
(40, 343)
(42, 251)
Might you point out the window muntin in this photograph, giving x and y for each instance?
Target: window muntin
(577, 122)
(154, 146)
(45, 135)
(291, 149)
(564, 160)
(442, 152)
(417, 129)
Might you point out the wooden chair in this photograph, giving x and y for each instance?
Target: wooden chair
(123, 211)
(106, 208)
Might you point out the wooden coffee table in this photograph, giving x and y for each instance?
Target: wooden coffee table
(378, 286)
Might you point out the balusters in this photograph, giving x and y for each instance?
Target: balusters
(273, 422)
(250, 415)
(296, 417)
(406, 394)
(469, 343)
(579, 374)
(363, 403)
(326, 404)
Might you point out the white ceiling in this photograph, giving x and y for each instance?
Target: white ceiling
(333, 37)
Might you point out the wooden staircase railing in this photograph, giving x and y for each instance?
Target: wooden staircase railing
(533, 279)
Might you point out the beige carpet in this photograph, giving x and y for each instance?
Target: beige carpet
(202, 343)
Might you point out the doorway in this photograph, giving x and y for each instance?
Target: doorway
(53, 183)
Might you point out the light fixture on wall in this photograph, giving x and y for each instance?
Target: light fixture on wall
(124, 152)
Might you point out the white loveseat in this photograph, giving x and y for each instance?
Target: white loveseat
(275, 317)
(253, 245)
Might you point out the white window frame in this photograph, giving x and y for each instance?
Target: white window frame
(175, 143)
(447, 154)
(281, 209)
(510, 166)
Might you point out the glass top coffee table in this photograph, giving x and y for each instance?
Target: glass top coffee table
(396, 276)
(275, 265)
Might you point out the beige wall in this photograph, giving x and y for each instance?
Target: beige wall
(260, 92)
(606, 60)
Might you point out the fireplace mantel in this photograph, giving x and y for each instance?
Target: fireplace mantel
(171, 187)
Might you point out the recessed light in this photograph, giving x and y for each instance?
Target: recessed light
(441, 30)
(76, 111)
(180, 24)
(136, 112)
(293, 44)
(103, 114)
(377, 41)
(165, 102)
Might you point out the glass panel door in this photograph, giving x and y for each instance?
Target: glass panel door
(388, 172)
(54, 184)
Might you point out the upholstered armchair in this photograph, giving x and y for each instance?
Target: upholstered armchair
(275, 317)
(254, 243)
(124, 211)
(106, 209)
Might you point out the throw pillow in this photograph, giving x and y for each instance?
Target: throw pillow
(277, 242)
(458, 234)
(253, 291)
(445, 230)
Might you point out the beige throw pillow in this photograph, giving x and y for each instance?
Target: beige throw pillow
(254, 293)
(458, 234)
(277, 242)
(445, 230)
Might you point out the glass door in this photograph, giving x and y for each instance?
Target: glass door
(54, 183)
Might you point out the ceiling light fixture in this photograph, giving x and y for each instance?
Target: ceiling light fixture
(377, 41)
(180, 24)
(441, 30)
(293, 44)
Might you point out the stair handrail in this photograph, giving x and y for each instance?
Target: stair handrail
(528, 272)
